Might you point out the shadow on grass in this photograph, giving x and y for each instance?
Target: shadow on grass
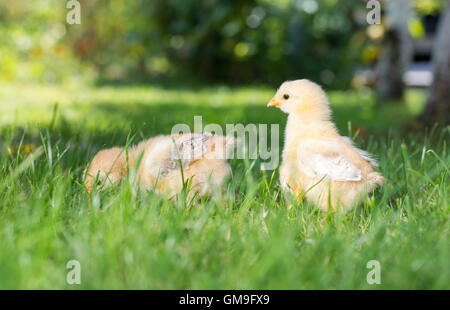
(105, 124)
(148, 120)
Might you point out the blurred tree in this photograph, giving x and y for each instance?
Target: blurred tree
(396, 51)
(32, 46)
(438, 103)
(232, 41)
(237, 41)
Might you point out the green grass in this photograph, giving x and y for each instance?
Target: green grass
(125, 239)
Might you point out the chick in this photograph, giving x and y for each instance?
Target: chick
(317, 162)
(108, 167)
(165, 163)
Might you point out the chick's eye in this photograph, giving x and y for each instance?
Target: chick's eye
(285, 96)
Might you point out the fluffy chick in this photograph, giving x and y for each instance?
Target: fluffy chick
(317, 162)
(164, 163)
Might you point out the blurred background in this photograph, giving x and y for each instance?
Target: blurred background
(191, 43)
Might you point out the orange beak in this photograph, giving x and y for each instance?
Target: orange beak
(273, 103)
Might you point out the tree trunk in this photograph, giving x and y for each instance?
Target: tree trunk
(396, 51)
(438, 103)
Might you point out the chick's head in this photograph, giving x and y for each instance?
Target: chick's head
(302, 98)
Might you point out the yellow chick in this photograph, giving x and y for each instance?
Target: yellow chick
(165, 162)
(317, 162)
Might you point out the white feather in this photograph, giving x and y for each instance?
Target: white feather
(319, 159)
(333, 168)
(366, 155)
(193, 148)
(167, 154)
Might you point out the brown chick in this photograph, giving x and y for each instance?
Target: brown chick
(108, 167)
(164, 163)
(317, 162)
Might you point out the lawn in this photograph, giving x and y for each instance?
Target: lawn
(124, 239)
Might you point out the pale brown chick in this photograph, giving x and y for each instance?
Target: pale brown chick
(317, 162)
(165, 163)
(108, 168)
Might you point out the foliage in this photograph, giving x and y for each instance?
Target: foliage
(428, 7)
(32, 46)
(234, 41)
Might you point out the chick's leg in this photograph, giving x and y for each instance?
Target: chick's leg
(290, 189)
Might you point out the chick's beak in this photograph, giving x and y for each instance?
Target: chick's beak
(273, 103)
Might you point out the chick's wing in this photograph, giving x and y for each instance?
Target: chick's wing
(326, 159)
